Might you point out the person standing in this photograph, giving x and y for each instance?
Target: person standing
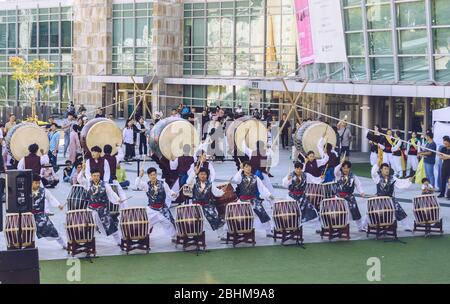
(445, 171)
(53, 137)
(374, 139)
(285, 131)
(430, 158)
(67, 127)
(128, 140)
(74, 144)
(412, 150)
(99, 113)
(11, 123)
(345, 138)
(142, 127)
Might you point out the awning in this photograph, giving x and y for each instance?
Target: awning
(119, 79)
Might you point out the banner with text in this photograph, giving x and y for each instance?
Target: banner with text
(327, 31)
(304, 35)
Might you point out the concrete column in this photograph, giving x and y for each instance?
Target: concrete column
(426, 114)
(365, 122)
(408, 116)
(391, 113)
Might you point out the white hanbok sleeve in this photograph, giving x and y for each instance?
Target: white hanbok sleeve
(311, 179)
(112, 196)
(191, 178)
(397, 146)
(323, 161)
(374, 174)
(51, 199)
(212, 172)
(216, 191)
(106, 171)
(172, 195)
(337, 171)
(21, 164)
(358, 185)
(87, 172)
(174, 164)
(402, 183)
(141, 184)
(237, 178)
(246, 149)
(286, 182)
(44, 159)
(82, 180)
(120, 154)
(263, 191)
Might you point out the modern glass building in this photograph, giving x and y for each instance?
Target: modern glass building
(207, 53)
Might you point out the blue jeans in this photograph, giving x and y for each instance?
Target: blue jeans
(429, 172)
(66, 143)
(125, 184)
(67, 179)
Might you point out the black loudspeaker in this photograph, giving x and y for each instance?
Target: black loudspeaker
(19, 266)
(18, 191)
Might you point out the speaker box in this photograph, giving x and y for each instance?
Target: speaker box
(18, 191)
(19, 266)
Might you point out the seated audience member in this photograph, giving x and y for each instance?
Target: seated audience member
(48, 175)
(67, 171)
(426, 187)
(73, 177)
(122, 177)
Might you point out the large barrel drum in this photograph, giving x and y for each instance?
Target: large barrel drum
(245, 128)
(310, 132)
(170, 135)
(101, 132)
(21, 136)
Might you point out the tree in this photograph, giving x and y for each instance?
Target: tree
(29, 75)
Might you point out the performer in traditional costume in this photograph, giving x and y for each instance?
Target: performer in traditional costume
(312, 165)
(386, 184)
(296, 183)
(182, 164)
(251, 189)
(113, 161)
(412, 149)
(203, 193)
(159, 200)
(397, 155)
(388, 143)
(100, 194)
(98, 163)
(41, 199)
(32, 161)
(346, 183)
(374, 139)
(203, 163)
(333, 161)
(259, 162)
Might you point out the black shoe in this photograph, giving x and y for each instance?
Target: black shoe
(440, 196)
(270, 175)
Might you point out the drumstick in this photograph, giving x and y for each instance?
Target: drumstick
(125, 199)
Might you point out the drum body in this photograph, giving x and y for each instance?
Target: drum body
(318, 192)
(245, 128)
(380, 211)
(21, 136)
(309, 133)
(101, 132)
(239, 217)
(134, 223)
(12, 230)
(334, 213)
(286, 215)
(77, 198)
(189, 220)
(426, 210)
(229, 196)
(170, 135)
(80, 226)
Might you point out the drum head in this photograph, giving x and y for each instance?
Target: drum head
(22, 136)
(175, 136)
(104, 132)
(313, 132)
(249, 129)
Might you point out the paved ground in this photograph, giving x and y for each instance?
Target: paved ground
(161, 243)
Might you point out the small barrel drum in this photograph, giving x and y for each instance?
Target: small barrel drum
(315, 194)
(286, 215)
(114, 207)
(426, 211)
(240, 219)
(134, 226)
(77, 198)
(245, 128)
(309, 133)
(381, 216)
(189, 220)
(21, 136)
(329, 189)
(170, 135)
(80, 228)
(229, 196)
(101, 132)
(187, 190)
(12, 231)
(334, 218)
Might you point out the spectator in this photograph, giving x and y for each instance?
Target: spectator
(238, 111)
(205, 119)
(74, 177)
(426, 187)
(48, 175)
(122, 177)
(11, 123)
(74, 144)
(256, 114)
(142, 129)
(285, 131)
(53, 137)
(268, 114)
(81, 110)
(99, 113)
(185, 111)
(67, 173)
(429, 158)
(174, 113)
(445, 169)
(111, 116)
(345, 138)
(128, 140)
(67, 128)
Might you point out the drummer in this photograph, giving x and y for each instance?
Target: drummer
(100, 194)
(41, 199)
(33, 161)
(182, 164)
(258, 160)
(312, 165)
(296, 182)
(98, 163)
(346, 183)
(160, 198)
(386, 184)
(251, 189)
(203, 193)
(203, 163)
(112, 163)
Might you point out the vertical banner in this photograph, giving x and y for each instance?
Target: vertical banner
(327, 31)
(304, 35)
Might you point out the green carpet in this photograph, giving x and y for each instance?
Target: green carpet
(421, 260)
(361, 169)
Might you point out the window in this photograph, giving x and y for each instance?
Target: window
(382, 68)
(440, 12)
(413, 68)
(379, 17)
(412, 42)
(380, 43)
(411, 14)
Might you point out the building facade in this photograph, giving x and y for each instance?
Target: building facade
(228, 53)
